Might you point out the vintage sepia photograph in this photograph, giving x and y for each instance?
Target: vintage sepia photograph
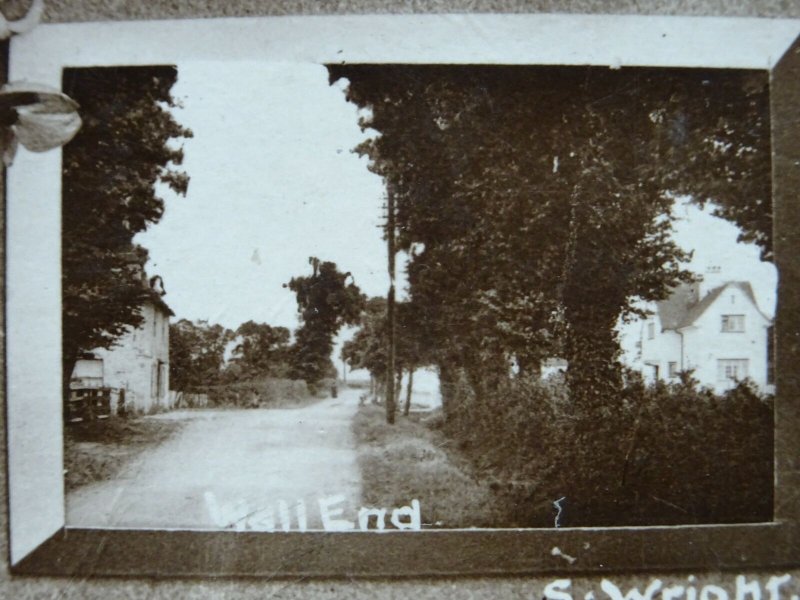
(371, 297)
(401, 296)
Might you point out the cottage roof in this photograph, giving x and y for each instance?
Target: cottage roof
(158, 301)
(672, 311)
(683, 307)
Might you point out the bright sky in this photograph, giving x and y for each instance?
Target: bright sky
(273, 181)
(714, 243)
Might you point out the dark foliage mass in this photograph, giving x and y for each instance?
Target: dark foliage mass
(110, 173)
(676, 455)
(535, 204)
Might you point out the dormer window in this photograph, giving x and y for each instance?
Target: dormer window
(732, 323)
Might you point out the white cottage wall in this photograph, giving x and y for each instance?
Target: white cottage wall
(706, 343)
(659, 351)
(139, 362)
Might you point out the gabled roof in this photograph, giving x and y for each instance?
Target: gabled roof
(672, 310)
(682, 308)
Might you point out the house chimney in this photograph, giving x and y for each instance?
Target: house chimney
(157, 285)
(711, 278)
(693, 290)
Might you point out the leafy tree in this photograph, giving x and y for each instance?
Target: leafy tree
(535, 202)
(111, 170)
(367, 349)
(262, 350)
(196, 353)
(714, 144)
(412, 347)
(325, 302)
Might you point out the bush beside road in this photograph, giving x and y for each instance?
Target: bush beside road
(657, 455)
(265, 392)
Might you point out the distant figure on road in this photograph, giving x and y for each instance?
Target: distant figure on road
(334, 391)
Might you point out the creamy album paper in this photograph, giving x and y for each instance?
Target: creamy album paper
(556, 229)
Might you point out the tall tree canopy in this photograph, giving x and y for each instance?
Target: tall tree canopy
(326, 301)
(535, 201)
(111, 171)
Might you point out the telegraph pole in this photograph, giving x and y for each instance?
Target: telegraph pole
(390, 240)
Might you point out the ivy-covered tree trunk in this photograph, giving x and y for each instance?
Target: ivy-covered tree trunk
(593, 373)
(447, 388)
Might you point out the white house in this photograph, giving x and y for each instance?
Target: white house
(136, 368)
(717, 332)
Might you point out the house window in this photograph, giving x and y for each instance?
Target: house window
(732, 368)
(650, 371)
(732, 323)
(651, 331)
(672, 369)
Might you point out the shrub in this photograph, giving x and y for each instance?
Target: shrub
(665, 454)
(321, 388)
(698, 457)
(263, 392)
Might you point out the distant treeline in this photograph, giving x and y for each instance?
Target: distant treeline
(203, 354)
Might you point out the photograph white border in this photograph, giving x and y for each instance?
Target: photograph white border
(33, 274)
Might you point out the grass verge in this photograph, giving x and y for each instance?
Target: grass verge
(410, 460)
(98, 450)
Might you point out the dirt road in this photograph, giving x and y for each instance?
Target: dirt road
(243, 469)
